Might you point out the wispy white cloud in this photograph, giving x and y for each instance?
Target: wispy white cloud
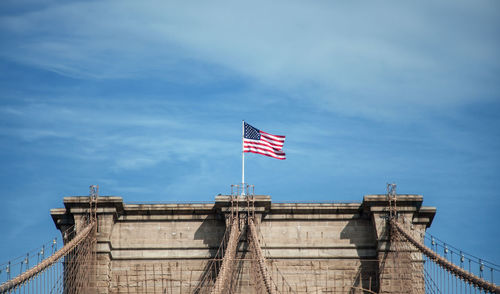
(374, 62)
(126, 139)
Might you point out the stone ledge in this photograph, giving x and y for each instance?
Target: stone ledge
(188, 253)
(315, 208)
(405, 203)
(311, 217)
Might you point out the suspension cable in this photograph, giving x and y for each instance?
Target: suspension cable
(445, 264)
(228, 259)
(260, 258)
(49, 261)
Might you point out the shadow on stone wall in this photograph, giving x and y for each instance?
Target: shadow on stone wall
(360, 233)
(211, 232)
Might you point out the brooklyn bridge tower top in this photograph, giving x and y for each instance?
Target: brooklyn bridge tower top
(249, 244)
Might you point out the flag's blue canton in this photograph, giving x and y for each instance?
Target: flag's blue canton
(251, 132)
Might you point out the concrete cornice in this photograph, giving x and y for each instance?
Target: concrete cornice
(372, 204)
(380, 200)
(315, 208)
(405, 203)
(79, 203)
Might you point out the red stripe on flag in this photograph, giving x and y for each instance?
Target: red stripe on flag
(262, 143)
(266, 154)
(278, 136)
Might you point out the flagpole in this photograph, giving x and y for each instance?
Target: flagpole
(242, 159)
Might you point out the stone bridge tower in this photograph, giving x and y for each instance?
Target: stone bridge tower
(309, 247)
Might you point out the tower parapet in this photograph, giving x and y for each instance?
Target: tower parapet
(311, 246)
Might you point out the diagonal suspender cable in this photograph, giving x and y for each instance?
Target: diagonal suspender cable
(260, 258)
(47, 262)
(445, 264)
(228, 259)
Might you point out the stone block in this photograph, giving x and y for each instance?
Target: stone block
(309, 247)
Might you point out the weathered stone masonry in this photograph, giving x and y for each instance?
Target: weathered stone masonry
(313, 247)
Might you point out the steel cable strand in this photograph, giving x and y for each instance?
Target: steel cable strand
(24, 259)
(255, 274)
(268, 256)
(415, 260)
(88, 269)
(206, 282)
(431, 282)
(260, 258)
(47, 262)
(70, 269)
(80, 264)
(73, 268)
(228, 259)
(257, 271)
(396, 256)
(445, 264)
(490, 264)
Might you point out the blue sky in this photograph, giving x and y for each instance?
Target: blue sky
(146, 100)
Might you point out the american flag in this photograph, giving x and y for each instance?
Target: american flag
(260, 142)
